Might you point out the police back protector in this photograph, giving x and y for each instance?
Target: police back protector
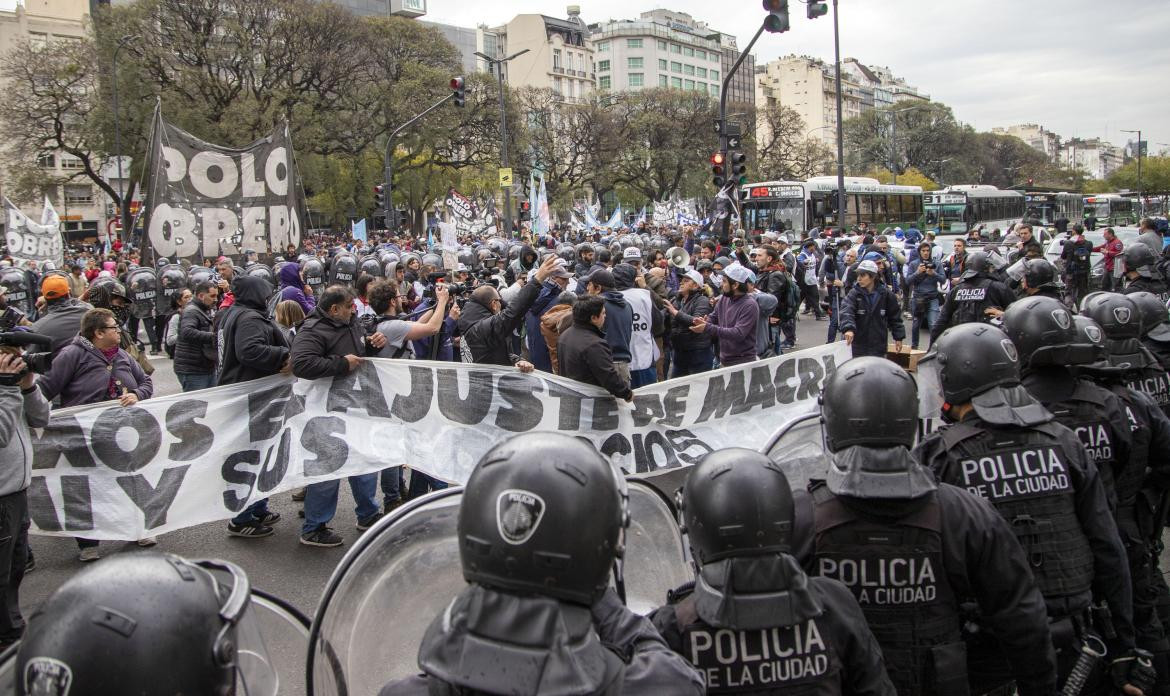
(971, 298)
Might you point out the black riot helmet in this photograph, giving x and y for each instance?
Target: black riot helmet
(343, 270)
(138, 623)
(976, 263)
(1155, 319)
(314, 273)
(261, 270)
(1089, 331)
(1039, 273)
(1140, 258)
(199, 274)
(1116, 314)
(869, 416)
(371, 266)
(542, 513)
(868, 401)
(736, 502)
(568, 253)
(979, 364)
(1043, 332)
(142, 291)
(432, 259)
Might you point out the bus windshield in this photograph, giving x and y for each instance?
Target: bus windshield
(1098, 210)
(1044, 212)
(768, 215)
(951, 217)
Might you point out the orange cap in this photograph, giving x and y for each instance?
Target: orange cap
(54, 286)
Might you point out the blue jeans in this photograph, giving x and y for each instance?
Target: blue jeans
(640, 378)
(391, 481)
(692, 362)
(252, 514)
(834, 315)
(931, 318)
(321, 500)
(193, 382)
(421, 484)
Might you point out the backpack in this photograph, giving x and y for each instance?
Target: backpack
(1081, 262)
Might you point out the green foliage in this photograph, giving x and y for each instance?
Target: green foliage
(1155, 175)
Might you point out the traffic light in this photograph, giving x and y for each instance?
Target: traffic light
(380, 197)
(738, 167)
(457, 88)
(525, 210)
(817, 9)
(717, 161)
(777, 20)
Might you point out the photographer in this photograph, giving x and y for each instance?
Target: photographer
(386, 303)
(924, 282)
(22, 406)
(487, 325)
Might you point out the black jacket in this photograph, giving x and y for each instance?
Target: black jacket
(776, 283)
(251, 346)
(681, 336)
(321, 344)
(195, 347)
(872, 320)
(487, 335)
(583, 354)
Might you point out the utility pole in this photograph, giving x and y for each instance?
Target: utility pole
(840, 126)
(497, 65)
(1141, 206)
(390, 212)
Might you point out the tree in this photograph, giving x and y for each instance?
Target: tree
(666, 141)
(783, 150)
(910, 177)
(1155, 175)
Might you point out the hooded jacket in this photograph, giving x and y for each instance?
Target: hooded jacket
(872, 317)
(19, 411)
(250, 345)
(537, 350)
(553, 323)
(195, 348)
(81, 374)
(292, 288)
(321, 344)
(734, 322)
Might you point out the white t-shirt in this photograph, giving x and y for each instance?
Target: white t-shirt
(643, 350)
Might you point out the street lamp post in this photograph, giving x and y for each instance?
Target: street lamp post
(840, 127)
(1141, 204)
(497, 64)
(123, 206)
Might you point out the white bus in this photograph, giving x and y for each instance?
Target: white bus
(795, 207)
(1111, 209)
(958, 209)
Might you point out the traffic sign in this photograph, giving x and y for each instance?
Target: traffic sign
(505, 177)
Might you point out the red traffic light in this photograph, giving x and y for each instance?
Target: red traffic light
(456, 83)
(773, 5)
(717, 158)
(379, 188)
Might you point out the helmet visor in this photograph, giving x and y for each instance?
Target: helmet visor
(930, 390)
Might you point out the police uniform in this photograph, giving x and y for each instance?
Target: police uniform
(969, 298)
(830, 652)
(1143, 284)
(1039, 479)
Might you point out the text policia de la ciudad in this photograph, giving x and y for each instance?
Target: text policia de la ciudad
(109, 471)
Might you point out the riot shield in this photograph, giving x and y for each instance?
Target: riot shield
(272, 639)
(199, 274)
(142, 288)
(171, 281)
(371, 266)
(314, 274)
(405, 570)
(19, 294)
(343, 270)
(798, 447)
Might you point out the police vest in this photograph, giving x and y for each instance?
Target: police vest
(895, 570)
(1151, 380)
(801, 659)
(971, 297)
(1129, 478)
(1086, 415)
(1026, 475)
(1140, 284)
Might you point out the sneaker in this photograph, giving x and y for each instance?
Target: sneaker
(389, 505)
(366, 523)
(249, 531)
(322, 536)
(89, 554)
(147, 542)
(270, 518)
(298, 495)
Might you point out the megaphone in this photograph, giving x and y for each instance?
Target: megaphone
(678, 257)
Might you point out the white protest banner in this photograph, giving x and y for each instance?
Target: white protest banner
(108, 472)
(30, 241)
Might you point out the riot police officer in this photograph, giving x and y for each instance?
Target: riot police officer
(1141, 272)
(911, 550)
(1038, 278)
(975, 298)
(143, 624)
(791, 631)
(1139, 486)
(1155, 326)
(1121, 321)
(541, 522)
(1004, 446)
(1045, 338)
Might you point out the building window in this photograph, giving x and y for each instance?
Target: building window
(556, 59)
(661, 45)
(688, 69)
(700, 54)
(48, 161)
(662, 80)
(714, 90)
(676, 82)
(38, 39)
(714, 74)
(675, 67)
(603, 82)
(603, 66)
(571, 61)
(662, 64)
(78, 194)
(70, 163)
(689, 84)
(556, 86)
(633, 43)
(675, 48)
(701, 72)
(634, 63)
(635, 79)
(714, 56)
(602, 46)
(688, 51)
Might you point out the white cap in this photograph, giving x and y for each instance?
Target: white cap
(632, 253)
(739, 273)
(867, 267)
(461, 268)
(694, 276)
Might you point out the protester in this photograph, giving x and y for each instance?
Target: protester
(619, 318)
(645, 323)
(555, 322)
(60, 319)
(870, 314)
(734, 319)
(77, 282)
(171, 335)
(289, 316)
(583, 353)
(293, 287)
(227, 276)
(195, 350)
(1110, 249)
(693, 353)
(486, 324)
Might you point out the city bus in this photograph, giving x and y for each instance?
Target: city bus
(1111, 209)
(957, 209)
(795, 207)
(1046, 208)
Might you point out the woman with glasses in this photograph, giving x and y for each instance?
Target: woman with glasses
(94, 368)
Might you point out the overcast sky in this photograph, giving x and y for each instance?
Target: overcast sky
(1082, 68)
